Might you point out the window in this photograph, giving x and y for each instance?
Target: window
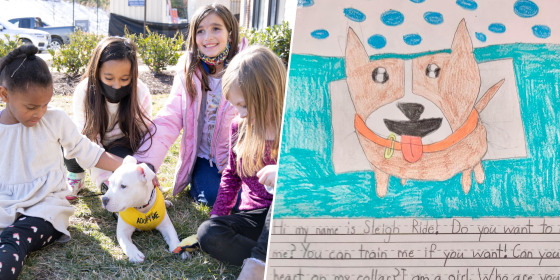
(235, 8)
(265, 13)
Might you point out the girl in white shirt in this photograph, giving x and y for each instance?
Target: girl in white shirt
(111, 106)
(33, 209)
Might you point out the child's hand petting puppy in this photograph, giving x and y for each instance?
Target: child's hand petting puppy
(267, 177)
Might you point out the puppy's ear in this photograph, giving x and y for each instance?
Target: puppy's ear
(356, 54)
(129, 160)
(462, 43)
(145, 173)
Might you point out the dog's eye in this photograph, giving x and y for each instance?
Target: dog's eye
(380, 75)
(432, 71)
(123, 187)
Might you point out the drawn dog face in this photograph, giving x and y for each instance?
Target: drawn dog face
(129, 186)
(425, 98)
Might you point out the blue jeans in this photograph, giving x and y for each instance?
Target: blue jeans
(205, 182)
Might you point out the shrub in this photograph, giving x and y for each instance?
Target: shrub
(158, 51)
(8, 45)
(277, 38)
(72, 58)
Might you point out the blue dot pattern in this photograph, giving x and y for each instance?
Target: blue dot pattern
(354, 15)
(320, 34)
(433, 17)
(305, 3)
(522, 8)
(392, 18)
(497, 28)
(541, 31)
(412, 39)
(480, 36)
(467, 4)
(377, 41)
(525, 8)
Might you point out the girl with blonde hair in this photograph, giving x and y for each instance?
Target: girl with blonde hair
(254, 84)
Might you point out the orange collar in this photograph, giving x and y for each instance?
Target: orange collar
(455, 137)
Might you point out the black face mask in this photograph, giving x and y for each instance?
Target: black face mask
(114, 95)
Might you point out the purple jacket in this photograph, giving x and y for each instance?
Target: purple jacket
(181, 113)
(253, 193)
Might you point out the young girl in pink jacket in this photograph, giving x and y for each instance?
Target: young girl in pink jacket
(254, 84)
(196, 106)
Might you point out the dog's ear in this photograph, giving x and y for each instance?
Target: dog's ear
(462, 43)
(356, 54)
(145, 173)
(129, 160)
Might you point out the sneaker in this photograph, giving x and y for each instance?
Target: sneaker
(253, 269)
(75, 184)
(104, 187)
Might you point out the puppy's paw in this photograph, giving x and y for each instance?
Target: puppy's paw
(136, 257)
(185, 256)
(168, 203)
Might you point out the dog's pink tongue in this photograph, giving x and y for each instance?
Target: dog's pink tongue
(411, 147)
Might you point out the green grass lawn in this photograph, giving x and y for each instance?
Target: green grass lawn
(94, 253)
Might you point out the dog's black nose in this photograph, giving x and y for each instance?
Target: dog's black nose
(105, 200)
(411, 110)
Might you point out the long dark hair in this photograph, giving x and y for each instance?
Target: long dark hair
(194, 63)
(21, 67)
(132, 120)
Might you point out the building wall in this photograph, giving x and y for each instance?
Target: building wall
(254, 13)
(193, 5)
(156, 10)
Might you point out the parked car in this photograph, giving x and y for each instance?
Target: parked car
(59, 34)
(39, 38)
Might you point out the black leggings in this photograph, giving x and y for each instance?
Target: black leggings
(25, 235)
(73, 166)
(235, 237)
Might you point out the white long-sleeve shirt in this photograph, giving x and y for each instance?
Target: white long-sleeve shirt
(32, 172)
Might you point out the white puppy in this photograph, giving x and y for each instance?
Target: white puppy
(140, 205)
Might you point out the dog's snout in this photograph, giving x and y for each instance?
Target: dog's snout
(411, 110)
(105, 200)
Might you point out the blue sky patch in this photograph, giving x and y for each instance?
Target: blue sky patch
(354, 15)
(392, 18)
(525, 8)
(497, 28)
(412, 39)
(541, 31)
(377, 41)
(433, 17)
(467, 4)
(320, 34)
(480, 36)
(305, 3)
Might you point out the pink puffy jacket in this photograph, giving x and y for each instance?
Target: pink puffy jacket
(180, 113)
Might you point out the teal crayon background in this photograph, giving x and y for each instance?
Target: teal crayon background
(522, 187)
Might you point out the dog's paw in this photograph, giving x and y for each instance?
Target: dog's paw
(136, 257)
(168, 203)
(185, 256)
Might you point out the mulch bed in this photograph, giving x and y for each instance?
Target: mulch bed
(158, 84)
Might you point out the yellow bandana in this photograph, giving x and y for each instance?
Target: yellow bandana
(148, 221)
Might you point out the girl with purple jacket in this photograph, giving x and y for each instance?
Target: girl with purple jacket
(196, 106)
(254, 84)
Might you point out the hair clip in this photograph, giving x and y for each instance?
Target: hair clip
(18, 67)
